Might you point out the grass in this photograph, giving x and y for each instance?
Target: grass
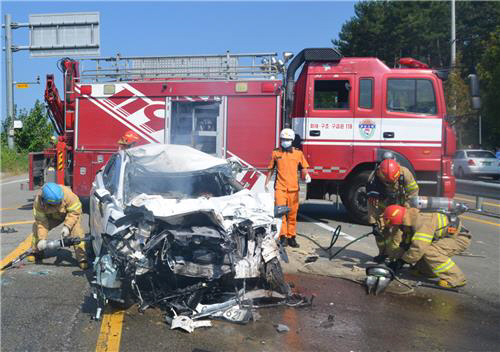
(13, 163)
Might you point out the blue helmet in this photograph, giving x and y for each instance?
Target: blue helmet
(52, 193)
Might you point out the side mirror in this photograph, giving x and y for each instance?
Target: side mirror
(103, 195)
(236, 166)
(474, 92)
(281, 210)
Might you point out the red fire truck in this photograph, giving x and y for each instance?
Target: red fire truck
(346, 113)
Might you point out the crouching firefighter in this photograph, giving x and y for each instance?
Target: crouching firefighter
(431, 240)
(56, 204)
(390, 183)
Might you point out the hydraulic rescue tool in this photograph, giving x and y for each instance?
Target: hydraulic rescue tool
(46, 244)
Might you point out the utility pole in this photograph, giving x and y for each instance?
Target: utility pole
(453, 37)
(8, 76)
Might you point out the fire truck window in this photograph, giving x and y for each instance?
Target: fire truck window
(366, 93)
(411, 95)
(331, 95)
(195, 124)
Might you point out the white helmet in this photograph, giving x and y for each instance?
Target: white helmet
(287, 133)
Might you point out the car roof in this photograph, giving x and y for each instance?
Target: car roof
(172, 158)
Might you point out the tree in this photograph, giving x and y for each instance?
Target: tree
(489, 75)
(390, 30)
(36, 132)
(458, 106)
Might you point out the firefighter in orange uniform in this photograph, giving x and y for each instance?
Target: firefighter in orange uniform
(55, 205)
(288, 161)
(128, 140)
(432, 239)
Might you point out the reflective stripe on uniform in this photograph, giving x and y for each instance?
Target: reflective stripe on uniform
(412, 186)
(447, 265)
(424, 237)
(75, 206)
(442, 223)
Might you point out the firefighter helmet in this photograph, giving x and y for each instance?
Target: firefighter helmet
(388, 155)
(389, 170)
(287, 133)
(394, 214)
(129, 138)
(52, 193)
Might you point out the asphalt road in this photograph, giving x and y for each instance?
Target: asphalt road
(49, 307)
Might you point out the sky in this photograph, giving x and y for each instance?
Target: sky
(163, 28)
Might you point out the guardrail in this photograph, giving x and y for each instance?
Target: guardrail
(480, 190)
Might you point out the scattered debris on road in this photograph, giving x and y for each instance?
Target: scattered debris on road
(7, 230)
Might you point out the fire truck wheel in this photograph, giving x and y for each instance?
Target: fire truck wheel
(354, 197)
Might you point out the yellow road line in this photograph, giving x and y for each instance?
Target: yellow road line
(479, 220)
(23, 247)
(111, 331)
(473, 200)
(17, 223)
(9, 208)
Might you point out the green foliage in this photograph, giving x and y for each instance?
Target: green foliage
(458, 106)
(36, 132)
(489, 74)
(390, 30)
(13, 162)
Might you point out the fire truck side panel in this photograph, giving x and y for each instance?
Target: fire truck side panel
(253, 124)
(329, 125)
(87, 164)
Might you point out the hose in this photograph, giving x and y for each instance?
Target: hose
(335, 237)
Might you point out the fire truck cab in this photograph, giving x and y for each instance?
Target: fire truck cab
(345, 111)
(349, 111)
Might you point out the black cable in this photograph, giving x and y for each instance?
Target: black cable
(355, 240)
(335, 237)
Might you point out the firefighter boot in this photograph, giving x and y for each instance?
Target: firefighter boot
(446, 284)
(293, 243)
(81, 256)
(35, 257)
(283, 241)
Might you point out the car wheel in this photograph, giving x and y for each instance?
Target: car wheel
(275, 277)
(354, 197)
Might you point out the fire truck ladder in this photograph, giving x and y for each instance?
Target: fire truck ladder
(214, 67)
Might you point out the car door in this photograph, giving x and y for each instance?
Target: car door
(100, 206)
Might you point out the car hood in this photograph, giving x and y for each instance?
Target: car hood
(225, 211)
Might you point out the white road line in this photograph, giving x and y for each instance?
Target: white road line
(15, 181)
(326, 227)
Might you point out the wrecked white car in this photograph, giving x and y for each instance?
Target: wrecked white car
(172, 228)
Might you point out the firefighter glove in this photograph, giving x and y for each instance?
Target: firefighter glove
(307, 179)
(376, 231)
(379, 259)
(65, 232)
(396, 265)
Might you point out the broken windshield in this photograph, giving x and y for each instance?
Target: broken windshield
(213, 182)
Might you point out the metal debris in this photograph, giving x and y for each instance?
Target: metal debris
(311, 258)
(328, 323)
(282, 328)
(187, 324)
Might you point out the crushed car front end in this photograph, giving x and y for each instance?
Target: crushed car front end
(181, 237)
